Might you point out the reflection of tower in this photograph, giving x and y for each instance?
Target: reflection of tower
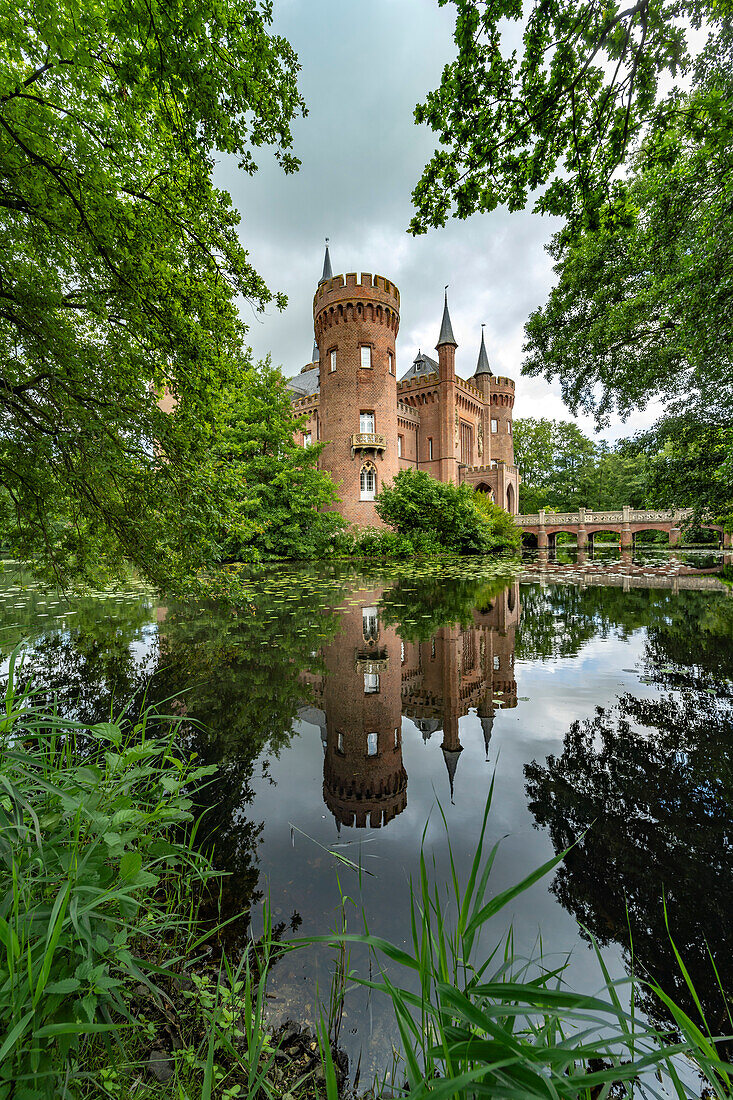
(364, 780)
(460, 669)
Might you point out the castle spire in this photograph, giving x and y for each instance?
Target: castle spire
(482, 367)
(446, 328)
(451, 762)
(327, 272)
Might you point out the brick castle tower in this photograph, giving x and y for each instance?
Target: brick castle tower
(356, 323)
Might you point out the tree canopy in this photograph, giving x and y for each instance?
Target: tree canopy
(119, 258)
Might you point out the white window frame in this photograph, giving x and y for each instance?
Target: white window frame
(368, 473)
(332, 359)
(390, 360)
(508, 427)
(371, 683)
(372, 744)
(367, 423)
(366, 356)
(399, 446)
(307, 439)
(494, 426)
(430, 448)
(370, 623)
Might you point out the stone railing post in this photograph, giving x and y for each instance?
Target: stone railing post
(582, 530)
(542, 533)
(627, 539)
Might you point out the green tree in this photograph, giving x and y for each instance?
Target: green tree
(458, 518)
(642, 177)
(120, 260)
(557, 117)
(273, 498)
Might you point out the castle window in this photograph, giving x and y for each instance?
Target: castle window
(508, 427)
(496, 664)
(390, 359)
(396, 737)
(399, 446)
(368, 482)
(332, 356)
(430, 448)
(370, 624)
(366, 422)
(371, 683)
(372, 739)
(432, 649)
(307, 439)
(366, 356)
(494, 426)
(339, 742)
(402, 653)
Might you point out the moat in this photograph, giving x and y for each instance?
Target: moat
(346, 708)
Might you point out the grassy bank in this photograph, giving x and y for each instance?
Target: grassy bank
(110, 983)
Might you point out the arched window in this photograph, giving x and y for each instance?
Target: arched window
(368, 482)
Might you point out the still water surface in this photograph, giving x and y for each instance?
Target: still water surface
(344, 709)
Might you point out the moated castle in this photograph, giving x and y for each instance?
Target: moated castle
(374, 425)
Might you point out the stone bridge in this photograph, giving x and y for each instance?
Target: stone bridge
(586, 523)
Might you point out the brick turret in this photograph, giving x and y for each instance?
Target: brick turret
(356, 323)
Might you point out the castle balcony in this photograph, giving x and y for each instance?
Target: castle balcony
(371, 663)
(368, 441)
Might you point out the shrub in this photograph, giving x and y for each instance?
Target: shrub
(454, 516)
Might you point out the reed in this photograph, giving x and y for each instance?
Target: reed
(480, 1021)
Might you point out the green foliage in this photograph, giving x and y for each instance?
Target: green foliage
(556, 117)
(562, 468)
(89, 821)
(272, 496)
(120, 262)
(690, 463)
(456, 517)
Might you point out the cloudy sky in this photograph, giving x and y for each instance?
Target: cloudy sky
(364, 67)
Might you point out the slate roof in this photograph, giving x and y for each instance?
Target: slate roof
(482, 367)
(421, 365)
(304, 384)
(327, 273)
(446, 328)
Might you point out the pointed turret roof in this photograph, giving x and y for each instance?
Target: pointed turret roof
(446, 328)
(327, 272)
(482, 367)
(451, 762)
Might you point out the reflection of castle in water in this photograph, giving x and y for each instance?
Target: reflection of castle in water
(373, 678)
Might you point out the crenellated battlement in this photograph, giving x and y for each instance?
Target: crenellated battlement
(367, 287)
(500, 382)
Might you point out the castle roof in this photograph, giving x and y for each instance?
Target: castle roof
(327, 272)
(304, 384)
(482, 367)
(421, 365)
(446, 328)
